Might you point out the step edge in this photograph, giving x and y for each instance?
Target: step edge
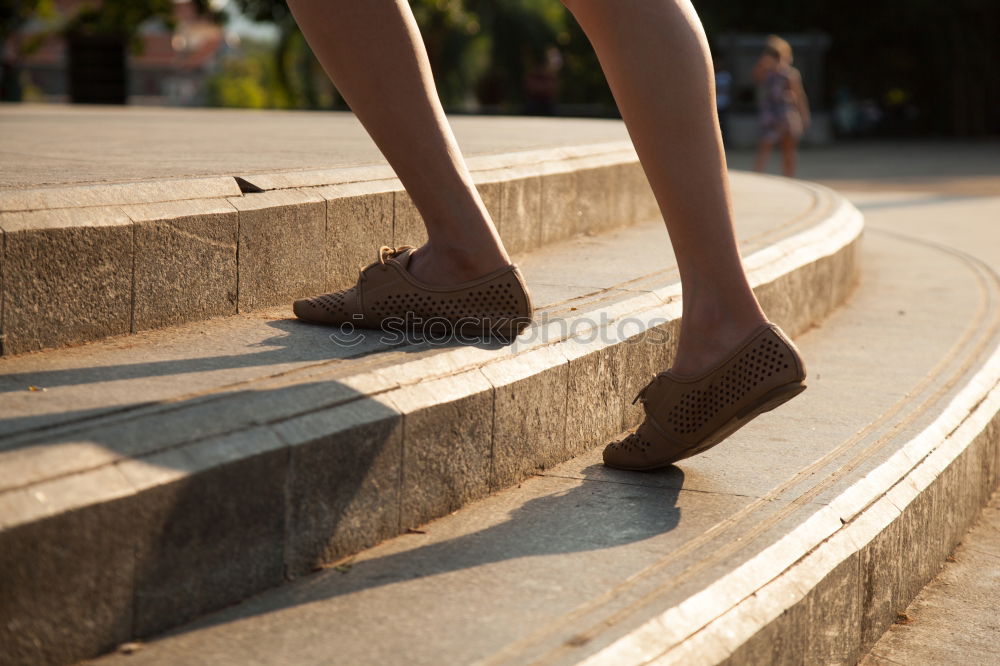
(713, 623)
(765, 266)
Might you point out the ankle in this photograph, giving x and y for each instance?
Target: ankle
(708, 334)
(438, 265)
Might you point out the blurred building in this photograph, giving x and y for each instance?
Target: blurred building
(170, 68)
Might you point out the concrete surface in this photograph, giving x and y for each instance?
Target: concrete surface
(191, 431)
(940, 168)
(954, 619)
(793, 542)
(43, 145)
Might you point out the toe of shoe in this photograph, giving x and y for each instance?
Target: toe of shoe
(307, 309)
(616, 454)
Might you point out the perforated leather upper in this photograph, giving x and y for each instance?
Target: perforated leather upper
(685, 413)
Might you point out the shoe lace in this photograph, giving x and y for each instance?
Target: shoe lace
(641, 395)
(385, 253)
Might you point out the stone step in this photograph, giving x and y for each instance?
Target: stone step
(220, 223)
(164, 475)
(796, 541)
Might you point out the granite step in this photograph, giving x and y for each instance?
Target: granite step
(241, 211)
(148, 480)
(796, 541)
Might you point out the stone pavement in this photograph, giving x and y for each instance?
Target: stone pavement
(52, 145)
(926, 269)
(119, 220)
(220, 457)
(581, 564)
(954, 619)
(945, 168)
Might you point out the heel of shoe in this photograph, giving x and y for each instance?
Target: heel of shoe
(771, 400)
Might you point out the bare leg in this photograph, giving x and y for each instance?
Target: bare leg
(763, 152)
(373, 53)
(789, 158)
(655, 56)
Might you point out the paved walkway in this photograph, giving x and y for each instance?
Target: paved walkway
(954, 619)
(48, 145)
(955, 168)
(578, 555)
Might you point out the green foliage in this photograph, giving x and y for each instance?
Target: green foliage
(245, 82)
(15, 13)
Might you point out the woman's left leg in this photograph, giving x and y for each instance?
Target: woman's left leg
(789, 154)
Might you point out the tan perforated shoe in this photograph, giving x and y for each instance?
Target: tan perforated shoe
(687, 415)
(388, 297)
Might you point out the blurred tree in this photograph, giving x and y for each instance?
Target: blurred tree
(295, 67)
(13, 15)
(122, 18)
(97, 36)
(475, 47)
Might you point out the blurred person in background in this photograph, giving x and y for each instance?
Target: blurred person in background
(541, 83)
(783, 105)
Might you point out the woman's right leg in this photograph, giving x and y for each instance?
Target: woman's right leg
(373, 53)
(656, 59)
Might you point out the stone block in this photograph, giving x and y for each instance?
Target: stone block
(343, 482)
(595, 195)
(642, 358)
(359, 222)
(447, 437)
(879, 570)
(624, 199)
(521, 228)
(780, 642)
(593, 405)
(646, 207)
(185, 261)
(559, 210)
(281, 246)
(407, 224)
(492, 195)
(66, 588)
(2, 246)
(67, 276)
(833, 617)
(212, 518)
(529, 430)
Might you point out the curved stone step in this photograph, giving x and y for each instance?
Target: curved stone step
(796, 541)
(165, 475)
(220, 223)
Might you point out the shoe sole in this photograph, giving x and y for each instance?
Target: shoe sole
(770, 400)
